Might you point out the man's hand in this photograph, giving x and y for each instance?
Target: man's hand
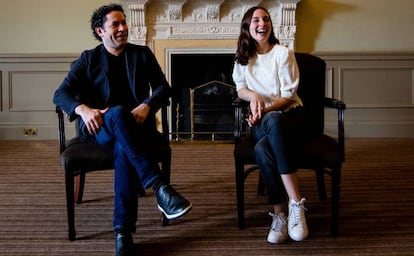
(140, 113)
(91, 117)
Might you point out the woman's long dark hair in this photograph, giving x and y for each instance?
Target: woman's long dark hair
(246, 45)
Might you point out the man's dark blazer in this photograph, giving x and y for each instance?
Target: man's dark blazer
(87, 81)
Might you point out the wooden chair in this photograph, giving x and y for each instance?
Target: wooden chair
(78, 158)
(323, 154)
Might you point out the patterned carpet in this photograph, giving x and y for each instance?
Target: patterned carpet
(376, 214)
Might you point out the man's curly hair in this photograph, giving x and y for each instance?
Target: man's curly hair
(98, 18)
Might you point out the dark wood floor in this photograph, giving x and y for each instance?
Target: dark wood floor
(376, 214)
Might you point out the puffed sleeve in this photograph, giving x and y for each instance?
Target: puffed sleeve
(239, 76)
(288, 74)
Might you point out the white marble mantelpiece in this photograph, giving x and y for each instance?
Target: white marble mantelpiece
(204, 19)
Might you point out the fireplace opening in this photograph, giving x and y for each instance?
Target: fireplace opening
(203, 91)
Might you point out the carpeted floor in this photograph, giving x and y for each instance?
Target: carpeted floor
(376, 214)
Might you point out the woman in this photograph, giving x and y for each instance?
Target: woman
(266, 74)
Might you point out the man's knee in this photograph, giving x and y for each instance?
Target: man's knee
(118, 111)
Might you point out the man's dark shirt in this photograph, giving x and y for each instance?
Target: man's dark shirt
(120, 91)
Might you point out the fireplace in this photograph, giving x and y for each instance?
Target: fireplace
(190, 38)
(203, 90)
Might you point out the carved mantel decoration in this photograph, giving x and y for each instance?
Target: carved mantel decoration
(204, 19)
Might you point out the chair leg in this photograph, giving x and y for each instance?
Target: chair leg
(261, 189)
(141, 191)
(79, 187)
(336, 188)
(240, 194)
(70, 205)
(320, 181)
(166, 169)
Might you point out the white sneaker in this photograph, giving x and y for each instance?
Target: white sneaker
(297, 228)
(278, 230)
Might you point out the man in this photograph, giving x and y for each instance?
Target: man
(108, 87)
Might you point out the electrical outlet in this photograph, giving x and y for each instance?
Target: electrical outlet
(30, 131)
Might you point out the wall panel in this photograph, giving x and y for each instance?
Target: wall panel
(25, 88)
(377, 88)
(368, 87)
(27, 85)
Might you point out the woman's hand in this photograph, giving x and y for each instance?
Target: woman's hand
(256, 105)
(257, 108)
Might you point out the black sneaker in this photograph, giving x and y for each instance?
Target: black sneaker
(171, 203)
(124, 244)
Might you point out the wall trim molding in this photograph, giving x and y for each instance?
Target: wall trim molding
(365, 55)
(37, 57)
(385, 110)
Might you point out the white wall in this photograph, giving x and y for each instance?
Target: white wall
(60, 26)
(47, 26)
(355, 25)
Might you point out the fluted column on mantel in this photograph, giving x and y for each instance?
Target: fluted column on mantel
(287, 29)
(137, 26)
(198, 20)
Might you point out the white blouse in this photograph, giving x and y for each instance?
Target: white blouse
(272, 75)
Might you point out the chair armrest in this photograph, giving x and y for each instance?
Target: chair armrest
(334, 103)
(239, 106)
(61, 131)
(164, 119)
(340, 106)
(238, 103)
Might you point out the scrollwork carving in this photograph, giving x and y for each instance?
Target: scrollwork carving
(175, 13)
(286, 31)
(212, 13)
(211, 19)
(138, 33)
